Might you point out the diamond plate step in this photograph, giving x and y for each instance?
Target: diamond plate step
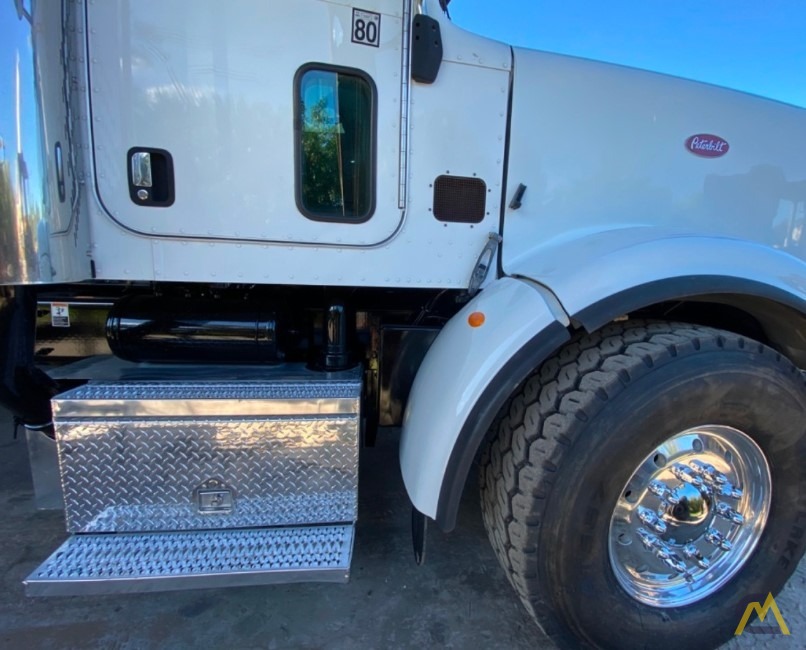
(89, 564)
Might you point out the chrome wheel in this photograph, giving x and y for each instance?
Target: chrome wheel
(690, 516)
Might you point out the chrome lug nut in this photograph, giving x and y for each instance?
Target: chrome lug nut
(663, 492)
(657, 488)
(672, 561)
(691, 552)
(716, 538)
(663, 552)
(650, 519)
(726, 512)
(727, 490)
(708, 472)
(686, 474)
(648, 540)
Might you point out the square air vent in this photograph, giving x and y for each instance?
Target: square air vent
(459, 199)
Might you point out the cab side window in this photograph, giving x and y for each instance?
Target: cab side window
(335, 144)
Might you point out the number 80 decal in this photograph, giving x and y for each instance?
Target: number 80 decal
(366, 27)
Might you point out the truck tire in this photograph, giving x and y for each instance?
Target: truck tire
(647, 483)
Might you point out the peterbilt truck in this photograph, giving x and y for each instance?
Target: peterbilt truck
(240, 240)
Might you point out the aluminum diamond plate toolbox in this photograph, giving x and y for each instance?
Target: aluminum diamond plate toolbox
(137, 562)
(169, 456)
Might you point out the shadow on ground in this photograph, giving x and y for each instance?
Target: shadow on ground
(459, 599)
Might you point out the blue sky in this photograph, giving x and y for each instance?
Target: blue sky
(758, 46)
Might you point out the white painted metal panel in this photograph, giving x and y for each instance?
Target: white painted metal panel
(213, 84)
(598, 265)
(457, 124)
(603, 148)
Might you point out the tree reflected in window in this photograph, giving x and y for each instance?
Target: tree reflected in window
(335, 151)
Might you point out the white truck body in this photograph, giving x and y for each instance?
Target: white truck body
(619, 168)
(314, 169)
(227, 77)
(599, 147)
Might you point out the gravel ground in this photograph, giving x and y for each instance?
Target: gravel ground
(459, 599)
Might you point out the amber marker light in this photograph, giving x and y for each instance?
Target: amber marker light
(476, 319)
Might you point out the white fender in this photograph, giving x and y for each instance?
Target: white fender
(599, 276)
(467, 375)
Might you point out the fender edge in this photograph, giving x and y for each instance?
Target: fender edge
(478, 422)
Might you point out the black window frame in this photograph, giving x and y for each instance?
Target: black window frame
(298, 122)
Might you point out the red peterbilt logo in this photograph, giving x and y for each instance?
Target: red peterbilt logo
(707, 145)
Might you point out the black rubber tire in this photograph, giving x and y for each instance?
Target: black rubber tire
(574, 432)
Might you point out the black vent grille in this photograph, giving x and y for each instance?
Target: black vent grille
(459, 199)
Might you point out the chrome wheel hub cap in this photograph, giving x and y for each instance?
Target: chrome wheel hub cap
(690, 516)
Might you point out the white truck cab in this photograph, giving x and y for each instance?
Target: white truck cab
(236, 239)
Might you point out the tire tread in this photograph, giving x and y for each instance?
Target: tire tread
(541, 422)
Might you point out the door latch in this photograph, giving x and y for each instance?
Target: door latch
(151, 177)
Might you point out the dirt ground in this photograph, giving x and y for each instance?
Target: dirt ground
(459, 599)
